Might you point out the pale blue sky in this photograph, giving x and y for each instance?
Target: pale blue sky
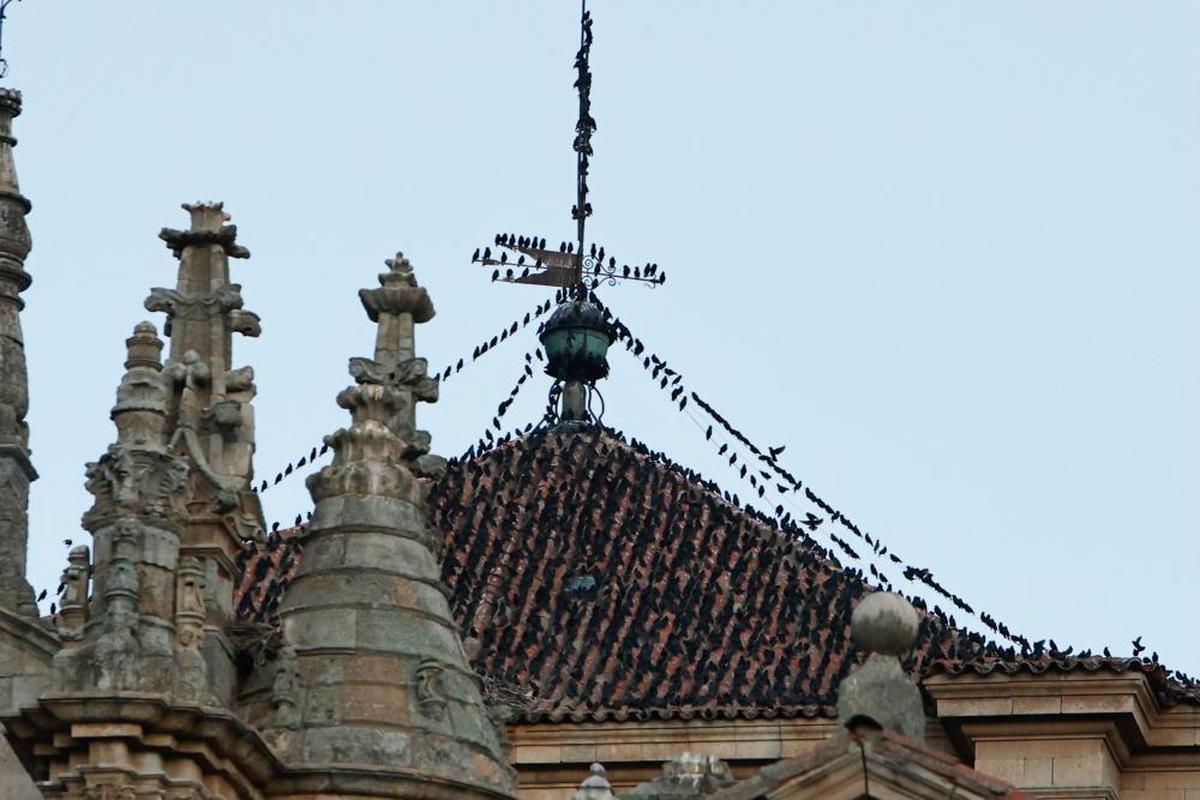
(946, 252)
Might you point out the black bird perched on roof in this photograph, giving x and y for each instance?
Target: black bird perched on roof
(475, 255)
(487, 253)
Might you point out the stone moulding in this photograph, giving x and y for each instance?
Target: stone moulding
(59, 725)
(1118, 709)
(31, 631)
(341, 780)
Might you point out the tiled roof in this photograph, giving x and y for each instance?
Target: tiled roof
(597, 580)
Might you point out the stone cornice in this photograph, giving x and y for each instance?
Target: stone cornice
(1118, 705)
(61, 722)
(551, 748)
(337, 780)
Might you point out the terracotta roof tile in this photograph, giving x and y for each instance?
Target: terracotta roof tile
(604, 582)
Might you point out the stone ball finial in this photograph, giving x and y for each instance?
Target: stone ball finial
(595, 786)
(885, 623)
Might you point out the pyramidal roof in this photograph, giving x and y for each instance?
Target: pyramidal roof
(594, 579)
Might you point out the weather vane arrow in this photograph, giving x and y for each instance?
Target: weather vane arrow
(574, 265)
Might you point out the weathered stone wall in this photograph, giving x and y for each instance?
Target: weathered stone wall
(15, 783)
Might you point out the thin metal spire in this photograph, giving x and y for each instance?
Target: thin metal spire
(584, 128)
(578, 267)
(3, 62)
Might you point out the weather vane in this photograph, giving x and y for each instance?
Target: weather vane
(3, 9)
(570, 266)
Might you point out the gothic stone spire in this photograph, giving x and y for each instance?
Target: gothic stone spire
(16, 470)
(128, 635)
(385, 692)
(213, 418)
(210, 416)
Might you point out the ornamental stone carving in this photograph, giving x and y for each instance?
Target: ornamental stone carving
(430, 696)
(110, 791)
(74, 599)
(285, 689)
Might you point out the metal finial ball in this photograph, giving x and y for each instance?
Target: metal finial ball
(885, 623)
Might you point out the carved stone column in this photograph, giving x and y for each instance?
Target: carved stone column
(387, 703)
(16, 470)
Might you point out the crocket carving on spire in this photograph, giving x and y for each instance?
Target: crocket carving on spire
(396, 306)
(213, 419)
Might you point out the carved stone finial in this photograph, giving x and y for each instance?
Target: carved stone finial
(212, 416)
(206, 216)
(884, 625)
(397, 306)
(595, 786)
(140, 413)
(144, 348)
(74, 598)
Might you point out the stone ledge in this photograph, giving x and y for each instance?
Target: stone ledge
(63, 723)
(29, 631)
(338, 779)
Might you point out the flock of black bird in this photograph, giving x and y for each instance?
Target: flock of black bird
(588, 482)
(532, 248)
(453, 369)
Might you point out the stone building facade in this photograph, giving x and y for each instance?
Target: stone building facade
(475, 629)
